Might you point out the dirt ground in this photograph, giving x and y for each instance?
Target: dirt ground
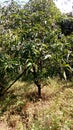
(3, 126)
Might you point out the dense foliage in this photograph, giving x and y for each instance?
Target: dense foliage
(34, 37)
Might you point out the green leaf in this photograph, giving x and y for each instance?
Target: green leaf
(64, 75)
(47, 56)
(29, 64)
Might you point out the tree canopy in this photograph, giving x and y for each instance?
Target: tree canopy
(35, 37)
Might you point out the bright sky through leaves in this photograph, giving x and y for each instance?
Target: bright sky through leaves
(63, 5)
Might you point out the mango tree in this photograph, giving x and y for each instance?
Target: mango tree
(32, 42)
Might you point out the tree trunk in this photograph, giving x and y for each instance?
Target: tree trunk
(39, 91)
(36, 81)
(39, 87)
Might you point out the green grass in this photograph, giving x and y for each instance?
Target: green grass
(22, 110)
